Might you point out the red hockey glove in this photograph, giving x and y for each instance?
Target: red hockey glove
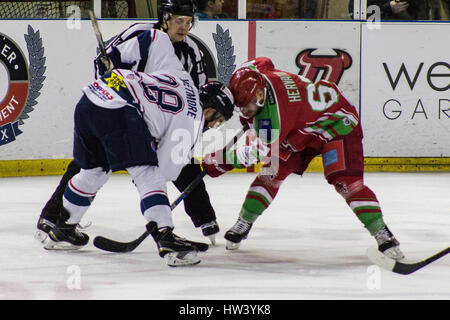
(215, 164)
(284, 152)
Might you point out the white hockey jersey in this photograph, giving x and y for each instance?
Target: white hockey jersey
(169, 103)
(151, 51)
(133, 46)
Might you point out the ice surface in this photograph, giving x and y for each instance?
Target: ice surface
(307, 245)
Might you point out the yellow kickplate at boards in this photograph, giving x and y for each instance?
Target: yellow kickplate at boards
(43, 167)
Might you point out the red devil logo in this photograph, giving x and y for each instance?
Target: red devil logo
(333, 67)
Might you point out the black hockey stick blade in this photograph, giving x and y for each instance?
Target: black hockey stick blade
(119, 247)
(399, 267)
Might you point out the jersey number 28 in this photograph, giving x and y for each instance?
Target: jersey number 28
(167, 99)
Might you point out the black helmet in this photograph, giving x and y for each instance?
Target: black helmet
(177, 7)
(216, 95)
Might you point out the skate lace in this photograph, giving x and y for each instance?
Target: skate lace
(209, 224)
(176, 237)
(383, 235)
(240, 226)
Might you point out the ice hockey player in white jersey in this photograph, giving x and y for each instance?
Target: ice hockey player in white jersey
(149, 125)
(142, 48)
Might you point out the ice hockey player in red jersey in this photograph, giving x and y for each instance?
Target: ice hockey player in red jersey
(296, 120)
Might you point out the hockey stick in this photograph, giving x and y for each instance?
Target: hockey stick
(389, 264)
(116, 246)
(98, 35)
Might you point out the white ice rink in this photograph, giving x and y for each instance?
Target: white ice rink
(307, 245)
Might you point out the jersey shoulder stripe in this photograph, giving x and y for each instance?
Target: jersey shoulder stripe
(134, 30)
(145, 39)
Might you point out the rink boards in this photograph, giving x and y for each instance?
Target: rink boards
(397, 74)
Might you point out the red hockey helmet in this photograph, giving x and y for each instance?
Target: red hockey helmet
(243, 85)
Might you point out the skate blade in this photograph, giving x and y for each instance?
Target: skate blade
(185, 258)
(232, 245)
(212, 239)
(60, 245)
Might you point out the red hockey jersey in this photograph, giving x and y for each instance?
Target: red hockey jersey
(298, 112)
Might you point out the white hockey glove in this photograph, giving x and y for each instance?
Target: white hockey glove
(253, 151)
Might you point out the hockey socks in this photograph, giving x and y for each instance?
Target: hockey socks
(155, 207)
(259, 196)
(362, 201)
(81, 191)
(77, 202)
(365, 205)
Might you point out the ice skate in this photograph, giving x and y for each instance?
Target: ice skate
(200, 246)
(47, 220)
(237, 233)
(65, 236)
(175, 250)
(210, 230)
(44, 225)
(388, 245)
